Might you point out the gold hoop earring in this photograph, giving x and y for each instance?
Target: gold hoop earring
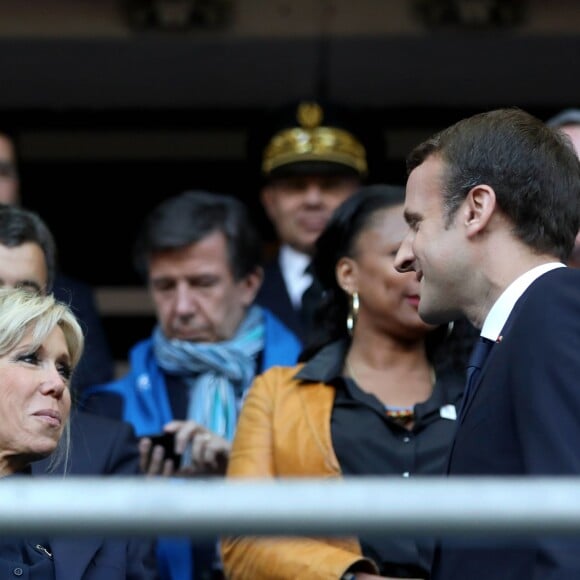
(352, 313)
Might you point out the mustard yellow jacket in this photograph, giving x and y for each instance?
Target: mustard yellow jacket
(284, 431)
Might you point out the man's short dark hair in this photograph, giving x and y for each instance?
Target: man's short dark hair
(192, 216)
(19, 226)
(532, 168)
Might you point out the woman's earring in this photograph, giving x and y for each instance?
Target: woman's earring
(352, 313)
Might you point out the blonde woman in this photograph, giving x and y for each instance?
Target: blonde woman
(41, 343)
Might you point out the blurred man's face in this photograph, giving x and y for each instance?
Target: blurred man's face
(300, 206)
(23, 266)
(8, 173)
(195, 294)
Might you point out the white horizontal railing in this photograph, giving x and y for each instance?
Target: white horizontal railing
(199, 508)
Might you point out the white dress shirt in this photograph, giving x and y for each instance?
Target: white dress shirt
(293, 265)
(500, 311)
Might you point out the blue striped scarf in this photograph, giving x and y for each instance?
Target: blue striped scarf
(217, 374)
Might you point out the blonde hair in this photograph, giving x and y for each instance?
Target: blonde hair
(23, 311)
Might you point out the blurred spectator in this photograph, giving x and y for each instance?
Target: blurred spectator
(200, 256)
(97, 364)
(568, 121)
(311, 162)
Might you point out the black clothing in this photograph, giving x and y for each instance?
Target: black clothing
(368, 442)
(311, 300)
(274, 296)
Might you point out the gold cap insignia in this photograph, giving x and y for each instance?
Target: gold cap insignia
(312, 141)
(309, 115)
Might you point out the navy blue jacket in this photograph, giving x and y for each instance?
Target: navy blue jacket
(523, 420)
(100, 446)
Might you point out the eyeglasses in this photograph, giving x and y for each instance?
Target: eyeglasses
(8, 170)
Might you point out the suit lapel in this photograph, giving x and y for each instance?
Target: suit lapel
(469, 403)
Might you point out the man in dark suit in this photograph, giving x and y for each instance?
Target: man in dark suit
(312, 162)
(493, 205)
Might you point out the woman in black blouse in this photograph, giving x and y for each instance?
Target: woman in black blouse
(377, 393)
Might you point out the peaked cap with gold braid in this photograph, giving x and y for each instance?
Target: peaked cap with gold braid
(314, 142)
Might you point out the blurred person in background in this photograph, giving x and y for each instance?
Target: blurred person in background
(568, 121)
(199, 254)
(312, 161)
(97, 364)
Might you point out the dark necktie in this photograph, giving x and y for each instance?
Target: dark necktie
(477, 359)
(310, 302)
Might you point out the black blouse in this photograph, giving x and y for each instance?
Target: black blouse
(368, 442)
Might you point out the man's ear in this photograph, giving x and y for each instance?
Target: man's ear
(480, 205)
(346, 274)
(267, 198)
(250, 285)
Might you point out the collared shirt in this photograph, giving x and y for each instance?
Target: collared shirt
(368, 442)
(500, 311)
(293, 266)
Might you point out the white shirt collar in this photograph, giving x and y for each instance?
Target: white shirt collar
(293, 265)
(500, 311)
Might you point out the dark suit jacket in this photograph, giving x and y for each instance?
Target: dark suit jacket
(274, 296)
(101, 446)
(523, 420)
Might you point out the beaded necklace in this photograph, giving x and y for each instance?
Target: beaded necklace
(401, 415)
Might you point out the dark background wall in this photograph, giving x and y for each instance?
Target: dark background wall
(111, 117)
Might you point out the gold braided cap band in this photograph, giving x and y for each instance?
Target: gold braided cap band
(312, 142)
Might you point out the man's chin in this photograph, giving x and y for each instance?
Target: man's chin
(305, 246)
(197, 336)
(431, 315)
